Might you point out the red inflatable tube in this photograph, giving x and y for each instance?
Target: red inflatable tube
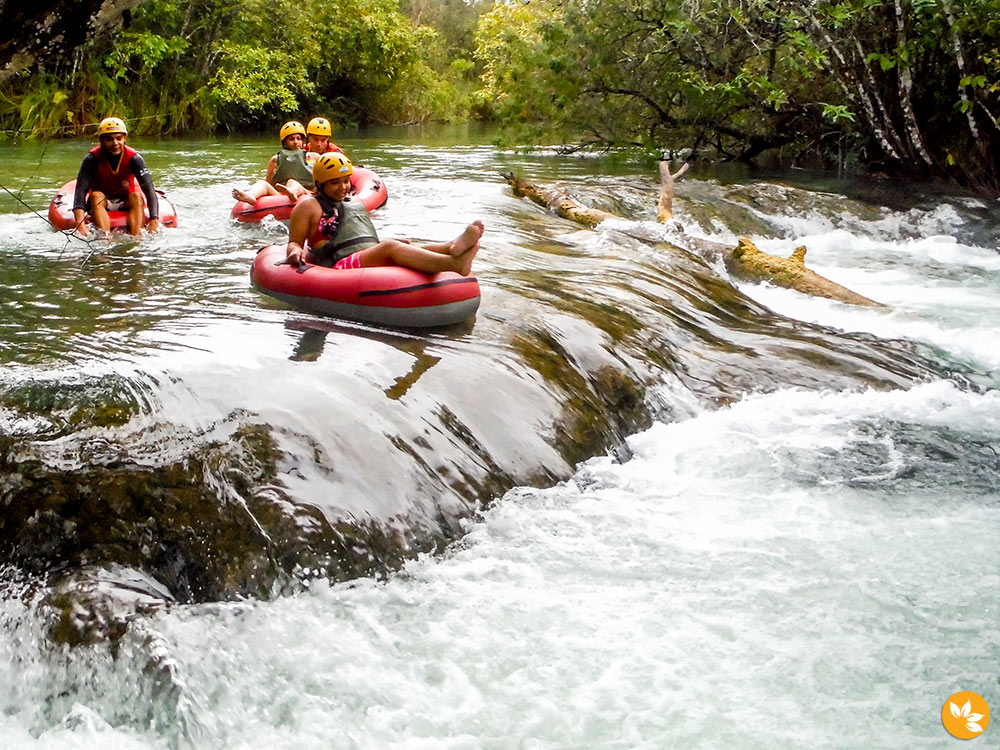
(366, 186)
(384, 295)
(61, 210)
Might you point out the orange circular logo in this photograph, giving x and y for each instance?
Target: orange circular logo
(965, 715)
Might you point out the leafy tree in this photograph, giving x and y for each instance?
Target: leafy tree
(648, 73)
(454, 20)
(239, 64)
(921, 79)
(909, 85)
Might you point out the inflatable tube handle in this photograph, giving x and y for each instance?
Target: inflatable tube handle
(303, 266)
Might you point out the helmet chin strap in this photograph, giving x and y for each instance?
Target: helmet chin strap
(325, 201)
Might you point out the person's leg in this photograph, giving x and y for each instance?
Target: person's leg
(470, 236)
(397, 253)
(255, 191)
(292, 189)
(136, 219)
(99, 211)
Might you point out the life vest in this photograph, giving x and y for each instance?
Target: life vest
(110, 181)
(291, 165)
(345, 230)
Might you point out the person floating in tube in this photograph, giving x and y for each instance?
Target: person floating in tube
(110, 179)
(330, 229)
(288, 172)
(318, 134)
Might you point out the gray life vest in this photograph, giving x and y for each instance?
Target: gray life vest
(291, 165)
(343, 230)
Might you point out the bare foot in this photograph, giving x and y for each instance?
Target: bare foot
(243, 196)
(466, 240)
(463, 262)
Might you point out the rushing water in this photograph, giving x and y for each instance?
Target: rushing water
(786, 557)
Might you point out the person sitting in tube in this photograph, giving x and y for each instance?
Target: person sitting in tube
(330, 229)
(288, 173)
(110, 178)
(318, 134)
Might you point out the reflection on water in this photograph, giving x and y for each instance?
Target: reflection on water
(309, 346)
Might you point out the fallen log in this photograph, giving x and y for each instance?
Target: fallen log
(746, 261)
(557, 200)
(752, 264)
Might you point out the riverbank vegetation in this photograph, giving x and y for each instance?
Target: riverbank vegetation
(183, 66)
(902, 87)
(898, 86)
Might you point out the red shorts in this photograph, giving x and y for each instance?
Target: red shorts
(351, 261)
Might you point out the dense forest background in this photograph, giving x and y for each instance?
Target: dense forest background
(904, 87)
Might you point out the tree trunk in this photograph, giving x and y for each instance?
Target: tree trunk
(906, 91)
(557, 200)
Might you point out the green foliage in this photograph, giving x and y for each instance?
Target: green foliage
(42, 109)
(455, 22)
(187, 65)
(520, 85)
(643, 73)
(258, 79)
(837, 113)
(920, 85)
(138, 53)
(916, 93)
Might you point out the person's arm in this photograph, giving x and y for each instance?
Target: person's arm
(305, 217)
(141, 171)
(88, 168)
(271, 166)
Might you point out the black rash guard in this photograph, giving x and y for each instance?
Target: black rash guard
(137, 166)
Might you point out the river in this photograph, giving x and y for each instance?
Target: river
(633, 504)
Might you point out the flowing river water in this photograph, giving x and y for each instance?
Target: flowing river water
(633, 504)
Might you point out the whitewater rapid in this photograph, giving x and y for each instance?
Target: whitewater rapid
(797, 569)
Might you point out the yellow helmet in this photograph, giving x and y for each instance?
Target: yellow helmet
(319, 126)
(291, 128)
(112, 125)
(331, 166)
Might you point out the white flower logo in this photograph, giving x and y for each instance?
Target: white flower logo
(965, 712)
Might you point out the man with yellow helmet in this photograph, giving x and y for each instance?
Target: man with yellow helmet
(332, 230)
(318, 133)
(110, 178)
(288, 173)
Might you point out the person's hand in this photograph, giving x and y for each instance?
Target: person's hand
(153, 225)
(80, 220)
(295, 254)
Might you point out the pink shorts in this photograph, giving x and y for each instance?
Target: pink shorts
(351, 261)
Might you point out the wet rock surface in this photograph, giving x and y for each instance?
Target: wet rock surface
(210, 516)
(349, 450)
